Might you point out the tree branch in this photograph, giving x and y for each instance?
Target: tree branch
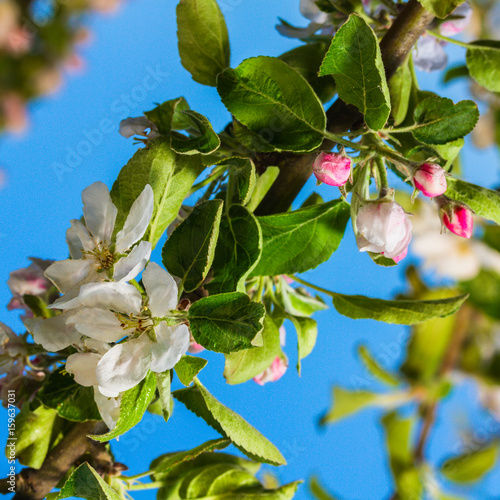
(295, 169)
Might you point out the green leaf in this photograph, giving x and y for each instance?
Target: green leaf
(380, 260)
(86, 483)
(204, 139)
(170, 175)
(429, 343)
(439, 121)
(35, 431)
(471, 466)
(133, 405)
(203, 39)
(400, 312)
(252, 141)
(229, 424)
(188, 367)
(274, 101)
(355, 61)
(163, 382)
(400, 86)
(306, 60)
(483, 61)
(298, 302)
(484, 202)
(441, 8)
(189, 251)
(346, 403)
(318, 491)
(262, 186)
(37, 306)
(226, 322)
(297, 241)
(72, 401)
(238, 250)
(168, 116)
(455, 73)
(244, 365)
(398, 435)
(484, 291)
(373, 366)
(242, 180)
(307, 332)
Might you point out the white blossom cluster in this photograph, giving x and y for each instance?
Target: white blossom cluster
(118, 330)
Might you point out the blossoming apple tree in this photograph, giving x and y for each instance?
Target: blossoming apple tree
(107, 330)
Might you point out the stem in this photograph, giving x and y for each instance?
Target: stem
(383, 184)
(344, 142)
(449, 40)
(217, 173)
(146, 486)
(310, 285)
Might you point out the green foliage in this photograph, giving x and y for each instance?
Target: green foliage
(471, 466)
(229, 424)
(306, 60)
(400, 86)
(483, 62)
(36, 432)
(71, 400)
(188, 367)
(133, 405)
(168, 116)
(373, 366)
(262, 186)
(226, 322)
(170, 175)
(441, 8)
(298, 302)
(294, 242)
(439, 121)
(400, 312)
(307, 332)
(203, 39)
(484, 291)
(318, 491)
(86, 483)
(346, 403)
(274, 101)
(355, 61)
(163, 383)
(242, 180)
(238, 250)
(189, 251)
(484, 202)
(244, 365)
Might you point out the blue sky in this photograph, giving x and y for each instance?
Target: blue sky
(73, 141)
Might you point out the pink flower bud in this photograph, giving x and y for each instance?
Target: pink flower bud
(430, 179)
(195, 348)
(274, 372)
(332, 168)
(457, 217)
(463, 15)
(383, 227)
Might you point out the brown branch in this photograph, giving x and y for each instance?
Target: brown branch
(295, 170)
(33, 484)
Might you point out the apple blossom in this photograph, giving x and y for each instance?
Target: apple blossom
(319, 20)
(429, 54)
(311, 11)
(53, 334)
(333, 169)
(138, 126)
(456, 216)
(430, 178)
(383, 227)
(95, 254)
(463, 14)
(274, 372)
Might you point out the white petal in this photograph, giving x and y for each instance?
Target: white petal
(119, 297)
(79, 230)
(130, 266)
(109, 408)
(65, 274)
(429, 54)
(161, 289)
(99, 211)
(172, 343)
(137, 220)
(74, 243)
(96, 345)
(293, 32)
(82, 366)
(134, 126)
(52, 334)
(125, 365)
(99, 324)
(309, 9)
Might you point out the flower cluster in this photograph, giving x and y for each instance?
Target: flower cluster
(119, 331)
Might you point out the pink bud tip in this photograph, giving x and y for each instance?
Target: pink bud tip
(333, 169)
(273, 373)
(401, 256)
(195, 348)
(459, 221)
(430, 179)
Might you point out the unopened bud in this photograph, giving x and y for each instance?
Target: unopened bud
(456, 216)
(333, 169)
(430, 179)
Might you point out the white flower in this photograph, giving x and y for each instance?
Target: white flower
(94, 255)
(139, 126)
(53, 334)
(319, 21)
(429, 54)
(311, 11)
(463, 13)
(11, 348)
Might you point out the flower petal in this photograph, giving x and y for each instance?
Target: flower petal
(137, 220)
(130, 266)
(99, 211)
(65, 274)
(98, 324)
(429, 54)
(125, 365)
(134, 126)
(311, 11)
(161, 289)
(109, 408)
(172, 343)
(52, 334)
(78, 230)
(82, 366)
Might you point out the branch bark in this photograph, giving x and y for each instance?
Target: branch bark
(295, 169)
